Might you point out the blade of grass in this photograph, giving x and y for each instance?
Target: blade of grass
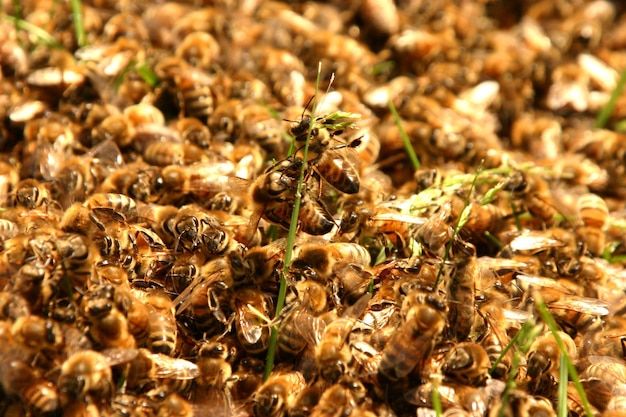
(554, 329)
(436, 398)
(460, 222)
(79, 27)
(38, 32)
(608, 108)
(562, 395)
(291, 237)
(405, 138)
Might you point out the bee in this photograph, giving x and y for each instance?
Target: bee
(32, 194)
(278, 393)
(38, 395)
(136, 180)
(247, 379)
(522, 404)
(259, 125)
(265, 263)
(333, 355)
(108, 325)
(85, 375)
(204, 297)
(191, 87)
(214, 359)
(495, 338)
(320, 261)
(593, 213)
(604, 381)
(300, 326)
(574, 313)
(414, 340)
(467, 363)
(461, 292)
(117, 206)
(343, 397)
(252, 309)
(543, 359)
(164, 153)
(308, 398)
(162, 327)
(535, 194)
(273, 194)
(199, 49)
(38, 335)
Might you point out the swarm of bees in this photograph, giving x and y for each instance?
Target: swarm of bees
(149, 177)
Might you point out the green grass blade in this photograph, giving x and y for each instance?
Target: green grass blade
(405, 138)
(554, 329)
(36, 31)
(608, 108)
(79, 27)
(291, 238)
(562, 396)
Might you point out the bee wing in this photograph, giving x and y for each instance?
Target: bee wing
(183, 300)
(117, 356)
(531, 242)
(585, 305)
(248, 320)
(165, 366)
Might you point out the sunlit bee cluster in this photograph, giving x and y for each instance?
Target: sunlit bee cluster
(150, 175)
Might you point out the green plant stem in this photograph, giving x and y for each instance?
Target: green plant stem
(41, 34)
(549, 320)
(562, 405)
(608, 108)
(291, 238)
(79, 27)
(405, 138)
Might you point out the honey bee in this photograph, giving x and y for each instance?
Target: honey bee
(414, 340)
(85, 375)
(333, 355)
(164, 153)
(320, 261)
(467, 363)
(247, 379)
(604, 381)
(574, 313)
(199, 49)
(336, 164)
(277, 394)
(116, 206)
(259, 125)
(461, 293)
(345, 396)
(136, 180)
(252, 309)
(593, 212)
(108, 325)
(543, 357)
(265, 263)
(204, 296)
(38, 395)
(162, 328)
(191, 87)
(193, 131)
(273, 194)
(214, 364)
(300, 327)
(32, 194)
(37, 335)
(536, 195)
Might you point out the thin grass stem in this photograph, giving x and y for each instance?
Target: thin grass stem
(291, 238)
(405, 138)
(554, 329)
(562, 393)
(79, 27)
(36, 31)
(608, 108)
